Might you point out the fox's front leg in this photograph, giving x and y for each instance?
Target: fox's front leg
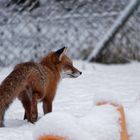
(47, 106)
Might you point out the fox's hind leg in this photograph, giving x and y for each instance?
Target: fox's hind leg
(34, 111)
(26, 96)
(1, 117)
(29, 102)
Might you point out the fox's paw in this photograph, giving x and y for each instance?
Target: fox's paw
(33, 117)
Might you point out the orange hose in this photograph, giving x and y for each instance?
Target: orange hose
(51, 137)
(122, 120)
(124, 134)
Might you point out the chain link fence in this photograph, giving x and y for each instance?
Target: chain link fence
(80, 25)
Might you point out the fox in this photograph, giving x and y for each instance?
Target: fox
(32, 82)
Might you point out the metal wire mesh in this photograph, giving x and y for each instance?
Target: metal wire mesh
(80, 25)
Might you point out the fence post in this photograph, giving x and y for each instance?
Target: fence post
(108, 37)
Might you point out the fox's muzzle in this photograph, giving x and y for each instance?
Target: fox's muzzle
(76, 74)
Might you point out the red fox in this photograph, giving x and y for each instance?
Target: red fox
(32, 82)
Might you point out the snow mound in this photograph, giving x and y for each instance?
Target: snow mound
(60, 124)
(101, 123)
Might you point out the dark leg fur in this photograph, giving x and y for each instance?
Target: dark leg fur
(47, 106)
(27, 106)
(1, 118)
(34, 111)
(29, 102)
(26, 102)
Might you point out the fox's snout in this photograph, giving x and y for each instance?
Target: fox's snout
(71, 73)
(76, 73)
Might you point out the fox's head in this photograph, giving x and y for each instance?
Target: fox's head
(59, 60)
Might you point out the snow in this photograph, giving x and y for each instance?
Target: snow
(100, 124)
(61, 124)
(75, 113)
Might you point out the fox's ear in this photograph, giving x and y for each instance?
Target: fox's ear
(61, 52)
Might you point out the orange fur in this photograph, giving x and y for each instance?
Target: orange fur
(51, 137)
(32, 81)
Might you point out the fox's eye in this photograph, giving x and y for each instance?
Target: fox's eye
(68, 65)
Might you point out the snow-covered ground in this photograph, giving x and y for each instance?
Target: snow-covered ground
(77, 97)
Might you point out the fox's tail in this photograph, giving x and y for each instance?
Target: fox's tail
(10, 88)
